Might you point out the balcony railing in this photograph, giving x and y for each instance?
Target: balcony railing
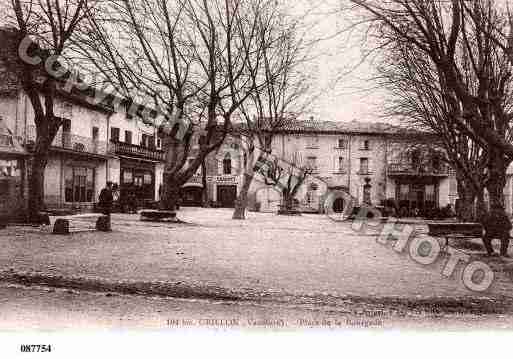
(73, 142)
(408, 169)
(121, 148)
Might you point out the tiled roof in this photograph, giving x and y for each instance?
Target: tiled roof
(360, 127)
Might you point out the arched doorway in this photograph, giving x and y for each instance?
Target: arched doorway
(338, 205)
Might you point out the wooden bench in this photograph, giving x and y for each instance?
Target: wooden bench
(451, 230)
(82, 223)
(158, 216)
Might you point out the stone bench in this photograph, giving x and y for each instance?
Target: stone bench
(158, 216)
(82, 223)
(458, 230)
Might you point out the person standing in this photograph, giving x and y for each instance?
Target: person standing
(106, 199)
(497, 225)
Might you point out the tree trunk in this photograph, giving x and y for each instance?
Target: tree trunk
(36, 185)
(204, 190)
(465, 210)
(496, 182)
(171, 195)
(481, 209)
(242, 201)
(497, 167)
(287, 204)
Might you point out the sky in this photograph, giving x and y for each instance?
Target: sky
(345, 84)
(344, 92)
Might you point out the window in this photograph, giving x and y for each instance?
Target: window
(151, 142)
(245, 160)
(404, 191)
(66, 125)
(415, 157)
(147, 178)
(79, 184)
(95, 133)
(367, 194)
(128, 137)
(127, 177)
(365, 145)
(227, 164)
(430, 193)
(340, 164)
(66, 133)
(9, 168)
(159, 143)
(114, 134)
(364, 165)
(436, 163)
(341, 143)
(310, 197)
(313, 142)
(312, 162)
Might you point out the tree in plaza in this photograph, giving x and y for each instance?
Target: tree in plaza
(40, 37)
(422, 104)
(287, 175)
(282, 92)
(191, 57)
(472, 71)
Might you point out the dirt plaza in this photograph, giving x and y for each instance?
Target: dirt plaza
(299, 255)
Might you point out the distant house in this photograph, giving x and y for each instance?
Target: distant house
(97, 142)
(372, 162)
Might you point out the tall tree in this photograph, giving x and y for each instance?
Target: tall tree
(456, 37)
(286, 174)
(43, 32)
(419, 101)
(282, 91)
(191, 57)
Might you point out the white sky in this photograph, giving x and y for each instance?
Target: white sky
(344, 95)
(348, 93)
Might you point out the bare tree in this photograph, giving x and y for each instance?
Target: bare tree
(459, 47)
(421, 103)
(191, 57)
(40, 38)
(287, 175)
(281, 92)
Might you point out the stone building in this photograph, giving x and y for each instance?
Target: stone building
(372, 162)
(13, 175)
(98, 140)
(224, 173)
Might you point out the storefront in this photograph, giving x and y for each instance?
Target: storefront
(192, 195)
(13, 183)
(137, 180)
(79, 183)
(226, 195)
(417, 195)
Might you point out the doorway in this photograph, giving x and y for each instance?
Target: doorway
(226, 196)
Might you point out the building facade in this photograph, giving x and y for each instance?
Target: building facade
(372, 162)
(93, 146)
(224, 170)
